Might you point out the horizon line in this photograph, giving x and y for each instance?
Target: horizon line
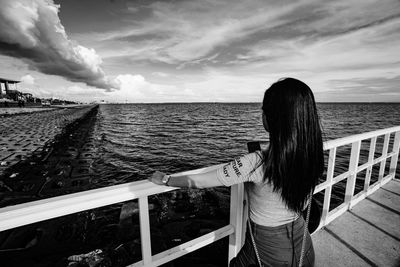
(222, 102)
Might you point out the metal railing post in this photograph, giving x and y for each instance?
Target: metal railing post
(370, 162)
(351, 180)
(235, 219)
(145, 230)
(329, 180)
(384, 154)
(396, 149)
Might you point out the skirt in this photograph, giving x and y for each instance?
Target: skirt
(277, 246)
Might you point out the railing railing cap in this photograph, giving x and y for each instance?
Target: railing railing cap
(358, 137)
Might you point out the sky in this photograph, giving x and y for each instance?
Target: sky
(201, 51)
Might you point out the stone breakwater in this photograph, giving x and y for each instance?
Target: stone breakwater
(53, 153)
(28, 143)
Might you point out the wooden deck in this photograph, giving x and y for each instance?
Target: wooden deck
(367, 235)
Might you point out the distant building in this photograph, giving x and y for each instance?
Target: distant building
(11, 96)
(6, 89)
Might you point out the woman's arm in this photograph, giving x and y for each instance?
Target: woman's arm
(200, 180)
(240, 170)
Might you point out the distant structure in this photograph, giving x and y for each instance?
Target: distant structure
(5, 87)
(11, 94)
(11, 97)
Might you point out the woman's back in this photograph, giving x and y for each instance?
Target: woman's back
(278, 181)
(266, 206)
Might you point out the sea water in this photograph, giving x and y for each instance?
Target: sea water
(128, 142)
(141, 138)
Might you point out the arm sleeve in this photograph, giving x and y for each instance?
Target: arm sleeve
(240, 170)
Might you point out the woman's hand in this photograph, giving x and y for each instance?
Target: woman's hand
(157, 178)
(200, 180)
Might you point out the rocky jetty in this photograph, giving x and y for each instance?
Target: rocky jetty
(32, 149)
(53, 153)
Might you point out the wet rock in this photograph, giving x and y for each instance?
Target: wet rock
(91, 259)
(58, 184)
(21, 239)
(15, 174)
(4, 186)
(65, 232)
(120, 256)
(27, 187)
(127, 210)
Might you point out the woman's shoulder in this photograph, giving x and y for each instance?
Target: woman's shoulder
(253, 158)
(241, 169)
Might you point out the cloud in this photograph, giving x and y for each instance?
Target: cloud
(31, 30)
(211, 50)
(183, 31)
(135, 88)
(160, 74)
(28, 79)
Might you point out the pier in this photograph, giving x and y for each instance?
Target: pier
(362, 230)
(367, 235)
(28, 169)
(24, 134)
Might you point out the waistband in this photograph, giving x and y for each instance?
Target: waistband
(296, 224)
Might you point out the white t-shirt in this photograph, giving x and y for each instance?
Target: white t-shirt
(266, 206)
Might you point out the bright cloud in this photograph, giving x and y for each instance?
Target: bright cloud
(28, 79)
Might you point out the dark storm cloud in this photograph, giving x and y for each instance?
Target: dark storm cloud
(32, 31)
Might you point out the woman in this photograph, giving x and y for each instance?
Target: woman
(278, 180)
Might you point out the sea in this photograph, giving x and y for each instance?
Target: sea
(139, 139)
(128, 142)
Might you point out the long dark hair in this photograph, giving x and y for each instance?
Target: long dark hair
(294, 160)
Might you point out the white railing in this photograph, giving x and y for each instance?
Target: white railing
(354, 168)
(31, 212)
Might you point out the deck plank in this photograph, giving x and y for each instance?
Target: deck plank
(368, 235)
(376, 246)
(325, 244)
(378, 216)
(393, 186)
(387, 199)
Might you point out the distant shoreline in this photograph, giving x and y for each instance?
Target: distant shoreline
(11, 111)
(169, 103)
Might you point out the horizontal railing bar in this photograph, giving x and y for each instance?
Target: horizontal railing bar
(377, 160)
(363, 194)
(375, 186)
(320, 187)
(365, 166)
(340, 177)
(336, 212)
(335, 180)
(354, 138)
(40, 210)
(185, 248)
(30, 212)
(358, 197)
